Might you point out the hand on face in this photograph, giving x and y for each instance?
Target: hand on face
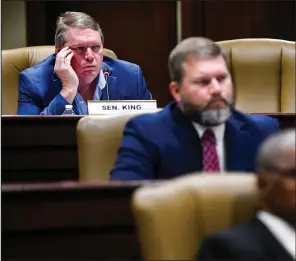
(64, 69)
(85, 49)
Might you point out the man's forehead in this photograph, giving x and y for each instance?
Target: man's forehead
(82, 35)
(86, 42)
(287, 157)
(212, 65)
(217, 61)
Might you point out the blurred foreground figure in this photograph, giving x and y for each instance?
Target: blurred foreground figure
(271, 234)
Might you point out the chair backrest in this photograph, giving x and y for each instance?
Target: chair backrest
(263, 73)
(98, 140)
(16, 60)
(173, 217)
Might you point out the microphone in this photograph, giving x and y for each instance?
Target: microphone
(106, 75)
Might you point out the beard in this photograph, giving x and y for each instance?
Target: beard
(205, 116)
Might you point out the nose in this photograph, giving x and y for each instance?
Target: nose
(215, 86)
(89, 56)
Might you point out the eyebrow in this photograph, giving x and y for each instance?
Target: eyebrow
(95, 43)
(207, 76)
(199, 78)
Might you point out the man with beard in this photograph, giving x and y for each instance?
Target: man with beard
(270, 235)
(200, 130)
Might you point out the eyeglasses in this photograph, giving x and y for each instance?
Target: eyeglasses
(82, 49)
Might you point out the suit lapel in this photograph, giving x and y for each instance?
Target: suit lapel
(110, 92)
(189, 141)
(275, 250)
(237, 141)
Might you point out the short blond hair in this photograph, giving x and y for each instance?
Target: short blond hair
(74, 20)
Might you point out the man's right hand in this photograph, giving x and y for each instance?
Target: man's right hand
(66, 74)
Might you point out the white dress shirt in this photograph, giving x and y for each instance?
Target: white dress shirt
(100, 86)
(102, 80)
(219, 135)
(280, 229)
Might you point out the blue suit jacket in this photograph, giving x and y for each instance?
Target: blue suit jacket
(39, 87)
(165, 144)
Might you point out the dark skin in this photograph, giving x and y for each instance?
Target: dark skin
(277, 187)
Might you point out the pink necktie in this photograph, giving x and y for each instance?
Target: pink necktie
(210, 156)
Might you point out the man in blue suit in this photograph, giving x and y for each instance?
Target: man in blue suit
(201, 130)
(79, 71)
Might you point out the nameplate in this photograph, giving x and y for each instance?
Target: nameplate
(121, 106)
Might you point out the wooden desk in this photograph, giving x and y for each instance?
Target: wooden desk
(44, 148)
(39, 148)
(58, 221)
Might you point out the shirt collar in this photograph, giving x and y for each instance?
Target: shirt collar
(217, 130)
(102, 81)
(81, 106)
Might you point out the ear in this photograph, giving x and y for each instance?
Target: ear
(57, 50)
(175, 90)
(261, 181)
(264, 184)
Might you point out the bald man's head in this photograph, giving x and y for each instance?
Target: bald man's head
(277, 152)
(276, 169)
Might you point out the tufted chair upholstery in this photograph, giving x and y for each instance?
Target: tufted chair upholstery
(263, 73)
(16, 60)
(173, 216)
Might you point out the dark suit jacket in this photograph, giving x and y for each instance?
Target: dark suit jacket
(249, 241)
(165, 144)
(39, 87)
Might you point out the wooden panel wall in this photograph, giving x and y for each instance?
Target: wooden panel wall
(144, 32)
(233, 19)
